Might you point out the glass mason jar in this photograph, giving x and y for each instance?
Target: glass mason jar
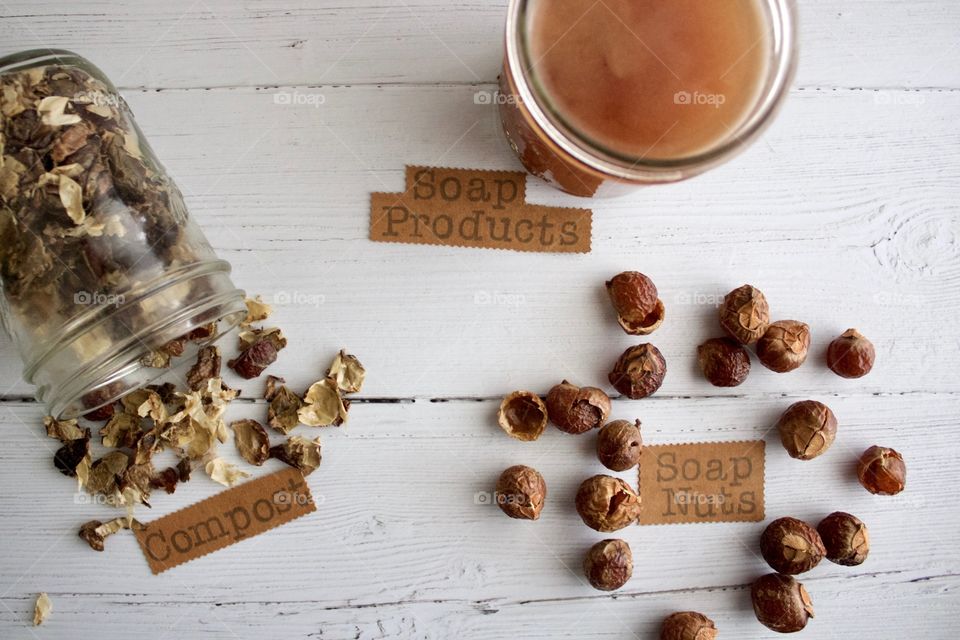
(599, 98)
(104, 277)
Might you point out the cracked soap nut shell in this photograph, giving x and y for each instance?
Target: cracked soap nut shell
(807, 429)
(791, 546)
(608, 564)
(639, 371)
(851, 355)
(688, 625)
(845, 538)
(745, 314)
(723, 361)
(882, 471)
(521, 492)
(781, 603)
(619, 445)
(634, 297)
(523, 415)
(577, 409)
(784, 345)
(607, 504)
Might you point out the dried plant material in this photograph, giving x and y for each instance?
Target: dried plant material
(259, 351)
(203, 334)
(63, 430)
(322, 405)
(122, 430)
(73, 454)
(300, 453)
(257, 311)
(252, 441)
(71, 195)
(42, 609)
(282, 414)
(224, 472)
(523, 415)
(96, 532)
(348, 372)
(103, 475)
(206, 367)
(52, 112)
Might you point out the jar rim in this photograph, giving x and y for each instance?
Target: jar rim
(782, 18)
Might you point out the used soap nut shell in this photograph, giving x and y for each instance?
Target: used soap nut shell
(791, 546)
(845, 538)
(522, 415)
(576, 409)
(807, 429)
(619, 445)
(639, 371)
(607, 504)
(745, 314)
(608, 564)
(882, 471)
(784, 345)
(521, 492)
(781, 603)
(688, 625)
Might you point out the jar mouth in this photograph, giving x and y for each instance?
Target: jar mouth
(782, 22)
(71, 388)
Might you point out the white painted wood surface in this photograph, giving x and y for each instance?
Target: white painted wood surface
(845, 213)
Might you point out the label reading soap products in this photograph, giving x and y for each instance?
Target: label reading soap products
(702, 482)
(224, 519)
(475, 208)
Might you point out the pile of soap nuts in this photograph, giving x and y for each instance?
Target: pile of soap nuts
(606, 503)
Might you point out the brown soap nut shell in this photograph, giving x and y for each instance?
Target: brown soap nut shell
(845, 538)
(619, 445)
(521, 492)
(648, 324)
(723, 361)
(576, 409)
(634, 297)
(807, 429)
(784, 345)
(851, 355)
(523, 415)
(608, 564)
(607, 504)
(781, 603)
(745, 314)
(639, 371)
(791, 546)
(882, 471)
(688, 625)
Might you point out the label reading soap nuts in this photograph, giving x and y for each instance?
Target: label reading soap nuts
(702, 482)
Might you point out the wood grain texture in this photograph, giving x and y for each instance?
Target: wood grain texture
(405, 545)
(845, 214)
(216, 43)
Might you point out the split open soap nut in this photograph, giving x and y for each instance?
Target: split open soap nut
(522, 415)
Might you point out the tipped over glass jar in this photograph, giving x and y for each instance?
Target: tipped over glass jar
(104, 278)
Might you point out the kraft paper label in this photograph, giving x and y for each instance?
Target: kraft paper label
(225, 519)
(475, 208)
(702, 482)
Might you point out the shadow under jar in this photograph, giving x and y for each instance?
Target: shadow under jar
(599, 98)
(103, 275)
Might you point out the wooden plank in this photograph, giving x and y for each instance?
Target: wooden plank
(845, 214)
(400, 539)
(181, 43)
